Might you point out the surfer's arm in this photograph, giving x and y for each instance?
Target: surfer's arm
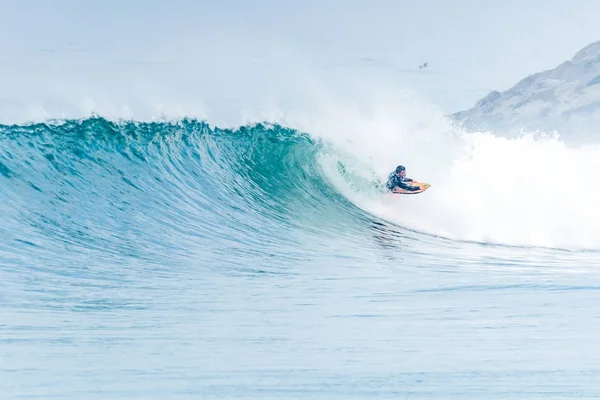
(400, 187)
(404, 186)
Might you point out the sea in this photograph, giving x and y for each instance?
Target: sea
(175, 259)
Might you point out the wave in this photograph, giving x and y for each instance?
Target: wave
(163, 190)
(158, 191)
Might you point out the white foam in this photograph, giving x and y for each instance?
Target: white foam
(528, 191)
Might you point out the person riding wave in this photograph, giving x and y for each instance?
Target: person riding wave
(398, 179)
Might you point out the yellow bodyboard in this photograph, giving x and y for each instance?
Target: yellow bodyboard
(423, 187)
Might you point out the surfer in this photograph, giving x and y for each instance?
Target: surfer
(398, 179)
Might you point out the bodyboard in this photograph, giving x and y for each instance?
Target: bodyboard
(423, 187)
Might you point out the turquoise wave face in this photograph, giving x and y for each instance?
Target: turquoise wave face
(162, 192)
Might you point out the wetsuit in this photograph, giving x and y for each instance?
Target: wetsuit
(395, 181)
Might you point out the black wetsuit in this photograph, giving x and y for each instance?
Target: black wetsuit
(394, 181)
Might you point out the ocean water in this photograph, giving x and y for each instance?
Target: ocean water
(176, 259)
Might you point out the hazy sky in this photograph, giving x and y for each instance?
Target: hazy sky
(472, 46)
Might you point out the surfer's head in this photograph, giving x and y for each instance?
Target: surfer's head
(401, 171)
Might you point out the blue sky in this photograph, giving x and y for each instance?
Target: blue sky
(231, 47)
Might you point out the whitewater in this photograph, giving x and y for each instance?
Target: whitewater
(215, 226)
